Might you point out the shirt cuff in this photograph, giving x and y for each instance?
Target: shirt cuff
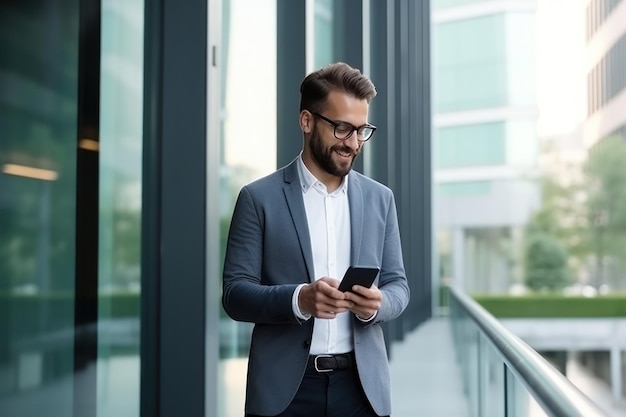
(296, 308)
(366, 320)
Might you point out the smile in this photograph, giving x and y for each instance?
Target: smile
(344, 154)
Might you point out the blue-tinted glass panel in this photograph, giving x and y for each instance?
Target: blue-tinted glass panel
(121, 116)
(324, 32)
(38, 119)
(469, 188)
(471, 145)
(470, 64)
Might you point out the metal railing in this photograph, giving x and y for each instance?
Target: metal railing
(502, 375)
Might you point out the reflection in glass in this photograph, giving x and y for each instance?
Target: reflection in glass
(249, 95)
(324, 32)
(121, 116)
(38, 78)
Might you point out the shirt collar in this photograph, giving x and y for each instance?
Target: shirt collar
(308, 180)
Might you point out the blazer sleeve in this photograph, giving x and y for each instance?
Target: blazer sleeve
(392, 281)
(244, 297)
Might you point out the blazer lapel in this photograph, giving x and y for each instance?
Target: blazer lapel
(295, 202)
(355, 199)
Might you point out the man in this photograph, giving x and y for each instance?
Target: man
(315, 350)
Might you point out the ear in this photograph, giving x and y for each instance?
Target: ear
(306, 121)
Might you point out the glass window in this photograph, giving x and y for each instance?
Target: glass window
(121, 118)
(468, 188)
(248, 138)
(472, 145)
(38, 113)
(470, 64)
(324, 33)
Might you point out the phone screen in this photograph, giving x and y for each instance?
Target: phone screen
(358, 275)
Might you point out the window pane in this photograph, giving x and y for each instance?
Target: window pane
(248, 138)
(38, 90)
(470, 64)
(121, 118)
(473, 145)
(324, 33)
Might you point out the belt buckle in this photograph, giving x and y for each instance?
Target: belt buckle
(316, 365)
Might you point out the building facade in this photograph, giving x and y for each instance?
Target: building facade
(485, 145)
(606, 70)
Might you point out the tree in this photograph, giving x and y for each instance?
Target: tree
(545, 264)
(561, 216)
(605, 183)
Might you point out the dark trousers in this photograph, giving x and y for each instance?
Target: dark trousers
(331, 394)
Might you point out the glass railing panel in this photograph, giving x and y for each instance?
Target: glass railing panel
(519, 402)
(493, 398)
(465, 336)
(503, 376)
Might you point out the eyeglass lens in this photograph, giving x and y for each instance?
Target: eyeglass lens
(344, 131)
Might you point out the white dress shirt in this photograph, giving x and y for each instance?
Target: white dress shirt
(328, 217)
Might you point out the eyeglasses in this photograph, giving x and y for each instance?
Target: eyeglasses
(344, 130)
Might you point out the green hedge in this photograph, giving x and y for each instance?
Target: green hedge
(553, 306)
(118, 305)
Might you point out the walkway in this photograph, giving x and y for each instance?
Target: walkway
(425, 378)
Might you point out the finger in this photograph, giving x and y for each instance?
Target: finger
(332, 292)
(333, 283)
(372, 293)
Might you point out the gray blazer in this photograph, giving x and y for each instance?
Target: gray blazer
(269, 254)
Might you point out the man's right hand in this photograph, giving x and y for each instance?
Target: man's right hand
(322, 299)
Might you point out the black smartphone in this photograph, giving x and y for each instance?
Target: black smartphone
(358, 275)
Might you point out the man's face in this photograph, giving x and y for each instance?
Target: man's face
(335, 159)
(331, 155)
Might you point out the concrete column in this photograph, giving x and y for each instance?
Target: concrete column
(458, 258)
(616, 373)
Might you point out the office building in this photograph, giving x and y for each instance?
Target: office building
(485, 145)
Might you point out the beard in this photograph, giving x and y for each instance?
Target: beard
(324, 156)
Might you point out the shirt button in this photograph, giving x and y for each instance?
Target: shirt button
(306, 344)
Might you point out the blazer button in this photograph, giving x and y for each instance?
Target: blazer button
(306, 344)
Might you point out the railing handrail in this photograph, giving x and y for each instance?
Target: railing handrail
(549, 387)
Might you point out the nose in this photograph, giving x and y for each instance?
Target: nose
(352, 142)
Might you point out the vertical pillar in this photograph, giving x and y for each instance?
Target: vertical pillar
(290, 70)
(616, 373)
(458, 258)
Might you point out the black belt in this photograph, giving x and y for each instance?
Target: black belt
(329, 363)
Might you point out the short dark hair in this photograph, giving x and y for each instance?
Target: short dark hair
(339, 76)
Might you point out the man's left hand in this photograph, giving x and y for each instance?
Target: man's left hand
(367, 301)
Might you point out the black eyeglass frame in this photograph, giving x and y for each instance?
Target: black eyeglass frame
(335, 124)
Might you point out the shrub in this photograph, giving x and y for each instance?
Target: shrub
(545, 264)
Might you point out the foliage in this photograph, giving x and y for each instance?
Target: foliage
(584, 209)
(553, 305)
(605, 183)
(561, 215)
(545, 263)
